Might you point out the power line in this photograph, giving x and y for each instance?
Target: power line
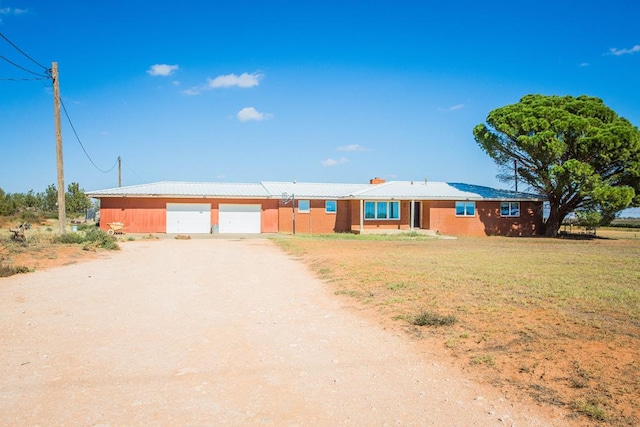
(24, 69)
(134, 172)
(80, 142)
(13, 79)
(27, 56)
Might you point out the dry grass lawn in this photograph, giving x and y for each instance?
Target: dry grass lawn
(556, 320)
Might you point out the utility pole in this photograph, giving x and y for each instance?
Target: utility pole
(119, 172)
(62, 217)
(515, 173)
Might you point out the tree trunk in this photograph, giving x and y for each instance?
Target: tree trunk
(553, 223)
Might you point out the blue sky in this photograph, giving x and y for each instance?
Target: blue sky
(326, 91)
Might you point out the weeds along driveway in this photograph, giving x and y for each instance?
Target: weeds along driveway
(215, 332)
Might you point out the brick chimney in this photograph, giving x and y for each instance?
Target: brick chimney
(376, 180)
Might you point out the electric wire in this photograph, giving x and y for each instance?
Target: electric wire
(24, 69)
(13, 79)
(27, 56)
(134, 172)
(80, 142)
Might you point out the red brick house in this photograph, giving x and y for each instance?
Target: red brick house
(278, 207)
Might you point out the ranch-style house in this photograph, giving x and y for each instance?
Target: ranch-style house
(285, 207)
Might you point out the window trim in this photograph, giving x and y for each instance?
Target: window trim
(465, 204)
(509, 209)
(308, 208)
(326, 206)
(388, 210)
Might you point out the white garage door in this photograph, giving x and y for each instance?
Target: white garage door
(191, 218)
(239, 218)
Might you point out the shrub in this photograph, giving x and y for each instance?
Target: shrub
(101, 239)
(428, 318)
(10, 270)
(92, 236)
(30, 217)
(69, 238)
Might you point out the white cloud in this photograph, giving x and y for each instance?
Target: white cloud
(584, 64)
(193, 91)
(12, 11)
(334, 162)
(230, 80)
(351, 147)
(244, 80)
(162, 69)
(618, 52)
(456, 107)
(250, 113)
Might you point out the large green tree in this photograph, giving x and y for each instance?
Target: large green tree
(575, 150)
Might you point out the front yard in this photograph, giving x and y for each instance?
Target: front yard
(555, 320)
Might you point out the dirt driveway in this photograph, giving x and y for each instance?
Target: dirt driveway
(216, 332)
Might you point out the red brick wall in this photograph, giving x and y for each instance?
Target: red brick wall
(487, 221)
(317, 220)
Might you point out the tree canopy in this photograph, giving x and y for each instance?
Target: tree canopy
(47, 201)
(574, 150)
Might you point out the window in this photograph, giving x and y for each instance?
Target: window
(303, 206)
(465, 208)
(510, 209)
(369, 210)
(381, 210)
(330, 206)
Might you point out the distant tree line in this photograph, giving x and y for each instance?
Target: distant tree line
(76, 201)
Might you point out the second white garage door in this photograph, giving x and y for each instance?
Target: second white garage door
(239, 219)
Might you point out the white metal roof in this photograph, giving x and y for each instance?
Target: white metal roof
(417, 190)
(393, 190)
(185, 189)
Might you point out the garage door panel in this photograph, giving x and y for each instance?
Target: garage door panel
(239, 218)
(189, 218)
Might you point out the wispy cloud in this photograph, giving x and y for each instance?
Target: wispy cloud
(251, 114)
(619, 52)
(12, 11)
(334, 162)
(452, 108)
(162, 70)
(352, 147)
(244, 80)
(230, 80)
(584, 64)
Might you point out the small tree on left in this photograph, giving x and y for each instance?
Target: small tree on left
(76, 199)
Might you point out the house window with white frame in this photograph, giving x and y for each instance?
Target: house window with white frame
(510, 209)
(304, 206)
(466, 209)
(381, 210)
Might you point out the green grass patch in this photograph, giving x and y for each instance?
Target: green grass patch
(591, 408)
(429, 318)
